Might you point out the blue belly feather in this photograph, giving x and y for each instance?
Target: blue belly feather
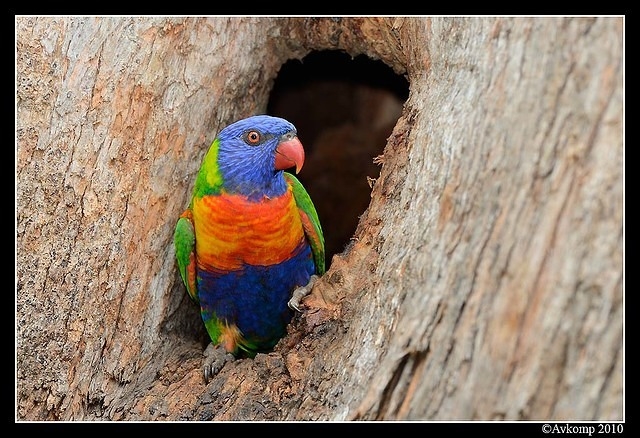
(255, 298)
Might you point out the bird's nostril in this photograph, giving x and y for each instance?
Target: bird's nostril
(289, 136)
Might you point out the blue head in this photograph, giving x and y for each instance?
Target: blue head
(253, 153)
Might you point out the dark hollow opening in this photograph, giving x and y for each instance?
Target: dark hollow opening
(344, 109)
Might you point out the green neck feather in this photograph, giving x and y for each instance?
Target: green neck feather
(209, 179)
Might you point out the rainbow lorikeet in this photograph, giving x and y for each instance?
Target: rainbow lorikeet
(250, 244)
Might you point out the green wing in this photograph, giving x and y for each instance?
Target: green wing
(310, 221)
(184, 240)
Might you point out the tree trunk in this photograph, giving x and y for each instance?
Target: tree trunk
(484, 280)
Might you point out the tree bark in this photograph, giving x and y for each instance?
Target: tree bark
(485, 278)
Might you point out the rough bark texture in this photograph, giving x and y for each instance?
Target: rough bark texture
(485, 278)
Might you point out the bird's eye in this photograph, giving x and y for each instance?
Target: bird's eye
(252, 138)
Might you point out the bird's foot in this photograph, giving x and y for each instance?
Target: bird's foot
(300, 293)
(215, 356)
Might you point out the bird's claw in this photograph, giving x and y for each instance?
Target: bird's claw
(215, 356)
(300, 293)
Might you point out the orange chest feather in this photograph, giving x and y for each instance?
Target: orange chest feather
(231, 231)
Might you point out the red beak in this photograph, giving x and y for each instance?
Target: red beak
(290, 153)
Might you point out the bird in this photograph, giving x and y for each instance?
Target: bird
(250, 245)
